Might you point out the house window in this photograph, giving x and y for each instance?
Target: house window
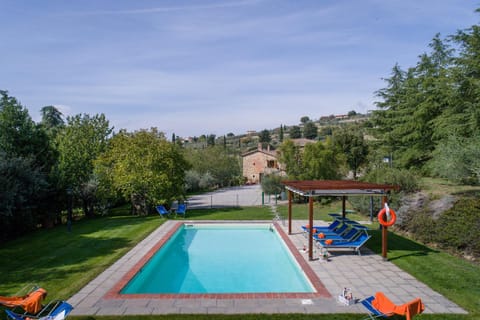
(271, 164)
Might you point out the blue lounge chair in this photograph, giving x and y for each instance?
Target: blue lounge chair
(373, 313)
(349, 235)
(162, 211)
(337, 226)
(336, 223)
(355, 244)
(181, 209)
(339, 229)
(55, 310)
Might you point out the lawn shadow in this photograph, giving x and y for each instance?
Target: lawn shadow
(399, 246)
(58, 261)
(223, 213)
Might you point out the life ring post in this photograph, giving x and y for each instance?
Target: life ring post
(385, 224)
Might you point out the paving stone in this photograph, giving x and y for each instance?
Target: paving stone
(365, 274)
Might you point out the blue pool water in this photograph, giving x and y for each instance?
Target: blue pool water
(221, 259)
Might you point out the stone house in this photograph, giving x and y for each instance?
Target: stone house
(259, 162)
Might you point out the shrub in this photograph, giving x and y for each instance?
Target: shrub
(207, 181)
(272, 184)
(459, 227)
(421, 224)
(405, 180)
(192, 180)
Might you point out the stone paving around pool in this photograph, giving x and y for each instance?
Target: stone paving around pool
(364, 275)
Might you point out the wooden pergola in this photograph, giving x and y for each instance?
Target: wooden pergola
(334, 188)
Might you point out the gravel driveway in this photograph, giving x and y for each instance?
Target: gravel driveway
(243, 196)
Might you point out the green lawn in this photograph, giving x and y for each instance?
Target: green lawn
(63, 262)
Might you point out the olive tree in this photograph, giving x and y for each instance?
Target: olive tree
(144, 168)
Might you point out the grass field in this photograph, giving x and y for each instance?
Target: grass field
(64, 262)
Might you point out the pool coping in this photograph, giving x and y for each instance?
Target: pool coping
(364, 274)
(320, 290)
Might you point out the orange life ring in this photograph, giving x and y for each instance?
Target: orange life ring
(382, 221)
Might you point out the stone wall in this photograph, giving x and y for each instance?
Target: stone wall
(256, 164)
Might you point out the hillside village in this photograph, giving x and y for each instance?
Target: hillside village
(260, 158)
(249, 140)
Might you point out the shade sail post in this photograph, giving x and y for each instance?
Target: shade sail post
(290, 196)
(310, 226)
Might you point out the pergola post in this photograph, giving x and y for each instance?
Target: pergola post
(290, 196)
(384, 234)
(310, 231)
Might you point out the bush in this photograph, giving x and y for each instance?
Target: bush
(192, 180)
(207, 181)
(459, 227)
(362, 204)
(421, 224)
(272, 184)
(406, 180)
(457, 159)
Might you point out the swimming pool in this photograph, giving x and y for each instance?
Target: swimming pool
(221, 258)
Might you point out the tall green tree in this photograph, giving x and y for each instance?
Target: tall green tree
(211, 139)
(310, 130)
(291, 158)
(19, 135)
(295, 132)
(410, 104)
(52, 118)
(22, 189)
(351, 142)
(27, 157)
(462, 118)
(321, 161)
(305, 119)
(265, 137)
(81, 141)
(144, 167)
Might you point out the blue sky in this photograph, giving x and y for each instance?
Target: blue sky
(213, 66)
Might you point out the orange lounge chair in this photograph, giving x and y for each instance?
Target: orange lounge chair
(381, 306)
(31, 302)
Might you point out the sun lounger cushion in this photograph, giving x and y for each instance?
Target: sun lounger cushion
(409, 309)
(31, 303)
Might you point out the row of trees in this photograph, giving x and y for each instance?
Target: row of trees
(429, 114)
(42, 163)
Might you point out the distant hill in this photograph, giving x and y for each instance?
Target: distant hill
(249, 140)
